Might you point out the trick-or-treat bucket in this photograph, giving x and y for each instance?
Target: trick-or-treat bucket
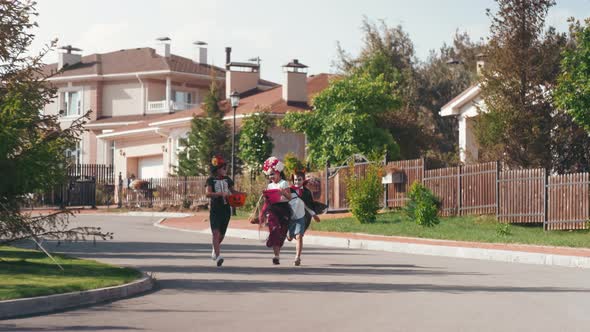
(272, 195)
(237, 200)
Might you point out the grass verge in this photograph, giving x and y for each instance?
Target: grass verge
(466, 228)
(29, 273)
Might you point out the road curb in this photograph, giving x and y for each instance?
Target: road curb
(144, 214)
(50, 303)
(510, 256)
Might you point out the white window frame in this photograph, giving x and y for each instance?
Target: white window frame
(63, 101)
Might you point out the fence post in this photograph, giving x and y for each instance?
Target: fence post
(120, 192)
(385, 186)
(546, 199)
(459, 190)
(93, 193)
(327, 196)
(185, 190)
(497, 188)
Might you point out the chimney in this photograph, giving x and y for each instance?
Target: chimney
(201, 53)
(68, 58)
(240, 76)
(480, 64)
(163, 47)
(295, 86)
(227, 57)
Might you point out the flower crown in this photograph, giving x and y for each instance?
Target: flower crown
(271, 165)
(217, 161)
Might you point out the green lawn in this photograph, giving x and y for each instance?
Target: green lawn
(477, 229)
(28, 273)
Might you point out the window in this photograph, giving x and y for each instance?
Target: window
(183, 97)
(72, 103)
(111, 160)
(74, 154)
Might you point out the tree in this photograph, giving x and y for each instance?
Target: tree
(389, 51)
(573, 89)
(32, 145)
(344, 120)
(209, 135)
(255, 143)
(515, 85)
(422, 87)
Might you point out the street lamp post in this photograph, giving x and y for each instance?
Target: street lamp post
(234, 99)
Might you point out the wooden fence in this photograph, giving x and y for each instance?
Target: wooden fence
(560, 202)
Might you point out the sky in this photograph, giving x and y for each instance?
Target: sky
(276, 31)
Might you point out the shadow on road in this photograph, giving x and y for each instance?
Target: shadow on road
(248, 286)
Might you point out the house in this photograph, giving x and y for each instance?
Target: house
(466, 107)
(143, 101)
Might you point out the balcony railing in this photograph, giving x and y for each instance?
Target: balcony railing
(157, 107)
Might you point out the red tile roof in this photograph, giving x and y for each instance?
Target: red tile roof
(125, 118)
(131, 61)
(271, 99)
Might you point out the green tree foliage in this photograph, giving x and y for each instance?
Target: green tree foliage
(345, 119)
(422, 206)
(32, 145)
(209, 136)
(573, 90)
(292, 164)
(364, 193)
(515, 85)
(255, 142)
(423, 88)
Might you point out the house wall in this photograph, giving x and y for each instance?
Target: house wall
(121, 98)
(468, 145)
(126, 149)
(286, 141)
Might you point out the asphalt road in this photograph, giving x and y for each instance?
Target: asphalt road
(333, 290)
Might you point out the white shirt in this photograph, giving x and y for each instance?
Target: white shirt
(296, 203)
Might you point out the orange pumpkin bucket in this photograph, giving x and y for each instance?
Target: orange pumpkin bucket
(237, 200)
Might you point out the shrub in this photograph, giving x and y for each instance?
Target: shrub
(422, 206)
(364, 194)
(503, 230)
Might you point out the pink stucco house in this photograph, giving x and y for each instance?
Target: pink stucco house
(143, 101)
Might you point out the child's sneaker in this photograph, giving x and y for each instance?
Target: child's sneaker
(276, 261)
(219, 261)
(297, 261)
(213, 256)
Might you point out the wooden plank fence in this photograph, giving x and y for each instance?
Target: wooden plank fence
(568, 204)
(514, 196)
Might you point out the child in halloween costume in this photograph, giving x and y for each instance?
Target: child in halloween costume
(278, 213)
(302, 204)
(299, 186)
(219, 187)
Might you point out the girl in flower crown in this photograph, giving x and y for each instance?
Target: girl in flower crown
(219, 187)
(276, 213)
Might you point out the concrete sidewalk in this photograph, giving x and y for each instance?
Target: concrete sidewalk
(528, 254)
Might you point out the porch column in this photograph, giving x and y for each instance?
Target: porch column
(168, 93)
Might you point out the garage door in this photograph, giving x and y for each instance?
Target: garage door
(151, 167)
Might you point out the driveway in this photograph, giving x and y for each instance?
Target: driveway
(333, 290)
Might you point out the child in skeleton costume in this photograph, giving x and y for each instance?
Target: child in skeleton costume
(219, 187)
